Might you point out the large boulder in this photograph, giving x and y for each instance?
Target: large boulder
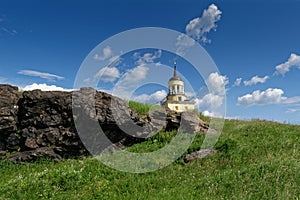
(9, 137)
(45, 120)
(60, 124)
(189, 122)
(102, 120)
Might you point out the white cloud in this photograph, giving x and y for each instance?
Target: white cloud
(238, 82)
(132, 78)
(114, 60)
(293, 61)
(207, 113)
(212, 114)
(217, 83)
(136, 74)
(292, 100)
(44, 75)
(130, 81)
(198, 28)
(11, 32)
(183, 43)
(108, 74)
(158, 64)
(209, 100)
(106, 54)
(292, 110)
(269, 96)
(189, 94)
(44, 87)
(5, 30)
(232, 117)
(254, 80)
(152, 98)
(147, 57)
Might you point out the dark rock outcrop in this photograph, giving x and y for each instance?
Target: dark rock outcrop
(33, 155)
(43, 124)
(45, 120)
(9, 136)
(189, 122)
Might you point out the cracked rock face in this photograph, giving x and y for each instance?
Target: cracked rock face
(9, 138)
(40, 123)
(45, 120)
(189, 122)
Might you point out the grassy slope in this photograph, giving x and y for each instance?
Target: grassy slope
(256, 160)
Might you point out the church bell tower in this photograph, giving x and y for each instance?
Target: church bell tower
(176, 99)
(176, 87)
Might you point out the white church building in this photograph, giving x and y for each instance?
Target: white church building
(176, 99)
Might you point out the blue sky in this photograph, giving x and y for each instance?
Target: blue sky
(44, 43)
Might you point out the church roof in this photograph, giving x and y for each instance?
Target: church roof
(175, 76)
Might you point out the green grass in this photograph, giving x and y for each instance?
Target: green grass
(142, 109)
(255, 160)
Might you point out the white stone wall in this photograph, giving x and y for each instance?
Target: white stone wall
(180, 107)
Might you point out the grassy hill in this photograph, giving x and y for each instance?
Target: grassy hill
(254, 160)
